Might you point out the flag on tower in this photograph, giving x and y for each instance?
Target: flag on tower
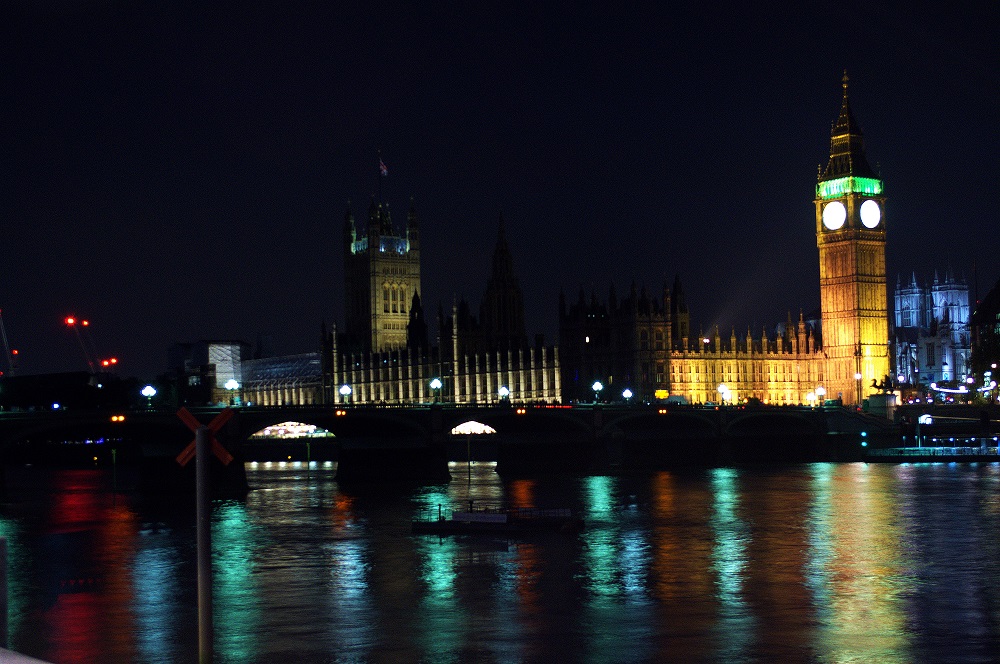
(382, 169)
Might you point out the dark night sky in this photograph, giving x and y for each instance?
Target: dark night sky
(179, 170)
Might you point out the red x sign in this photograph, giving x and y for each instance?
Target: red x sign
(217, 449)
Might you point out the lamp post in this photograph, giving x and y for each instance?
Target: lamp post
(627, 395)
(149, 392)
(724, 393)
(857, 371)
(232, 386)
(345, 393)
(436, 387)
(504, 393)
(597, 387)
(821, 394)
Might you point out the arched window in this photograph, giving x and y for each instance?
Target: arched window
(385, 298)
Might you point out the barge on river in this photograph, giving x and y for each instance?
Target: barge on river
(498, 520)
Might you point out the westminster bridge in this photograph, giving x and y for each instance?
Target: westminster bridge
(375, 444)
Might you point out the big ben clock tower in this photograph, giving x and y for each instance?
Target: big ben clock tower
(850, 234)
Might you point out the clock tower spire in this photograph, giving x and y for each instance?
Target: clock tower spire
(850, 235)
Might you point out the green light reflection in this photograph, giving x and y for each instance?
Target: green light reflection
(236, 601)
(821, 551)
(443, 622)
(156, 593)
(735, 626)
(19, 566)
(601, 552)
(616, 557)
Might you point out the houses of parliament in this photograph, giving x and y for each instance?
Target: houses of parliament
(638, 344)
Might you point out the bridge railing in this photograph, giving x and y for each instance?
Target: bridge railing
(933, 451)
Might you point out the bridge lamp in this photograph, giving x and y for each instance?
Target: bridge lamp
(821, 394)
(504, 392)
(149, 392)
(436, 386)
(811, 398)
(626, 394)
(597, 387)
(725, 393)
(345, 393)
(232, 386)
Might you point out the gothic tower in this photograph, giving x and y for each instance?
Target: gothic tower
(850, 234)
(502, 312)
(381, 276)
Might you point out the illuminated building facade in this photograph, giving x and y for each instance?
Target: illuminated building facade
(642, 344)
(280, 381)
(622, 344)
(201, 370)
(382, 276)
(850, 234)
(786, 370)
(931, 335)
(985, 325)
(476, 361)
(646, 345)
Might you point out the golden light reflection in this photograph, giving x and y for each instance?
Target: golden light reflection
(864, 586)
(680, 579)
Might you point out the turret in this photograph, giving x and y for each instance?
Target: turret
(412, 228)
(350, 230)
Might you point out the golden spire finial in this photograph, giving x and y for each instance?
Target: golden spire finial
(843, 82)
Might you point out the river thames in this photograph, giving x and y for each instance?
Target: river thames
(803, 563)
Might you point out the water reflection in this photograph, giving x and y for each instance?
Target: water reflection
(823, 562)
(734, 630)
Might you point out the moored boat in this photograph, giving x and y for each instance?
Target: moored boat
(498, 520)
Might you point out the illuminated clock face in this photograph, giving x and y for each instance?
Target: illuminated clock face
(834, 215)
(870, 214)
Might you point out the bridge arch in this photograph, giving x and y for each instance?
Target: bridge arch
(515, 422)
(664, 423)
(791, 422)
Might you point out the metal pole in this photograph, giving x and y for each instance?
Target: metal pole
(204, 534)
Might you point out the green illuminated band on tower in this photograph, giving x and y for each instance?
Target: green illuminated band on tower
(848, 185)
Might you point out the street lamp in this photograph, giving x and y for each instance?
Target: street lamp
(149, 392)
(597, 387)
(857, 377)
(626, 394)
(232, 386)
(345, 393)
(504, 393)
(821, 394)
(436, 387)
(724, 393)
(811, 398)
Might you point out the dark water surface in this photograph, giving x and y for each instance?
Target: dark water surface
(810, 563)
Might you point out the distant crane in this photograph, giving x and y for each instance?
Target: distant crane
(11, 354)
(72, 322)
